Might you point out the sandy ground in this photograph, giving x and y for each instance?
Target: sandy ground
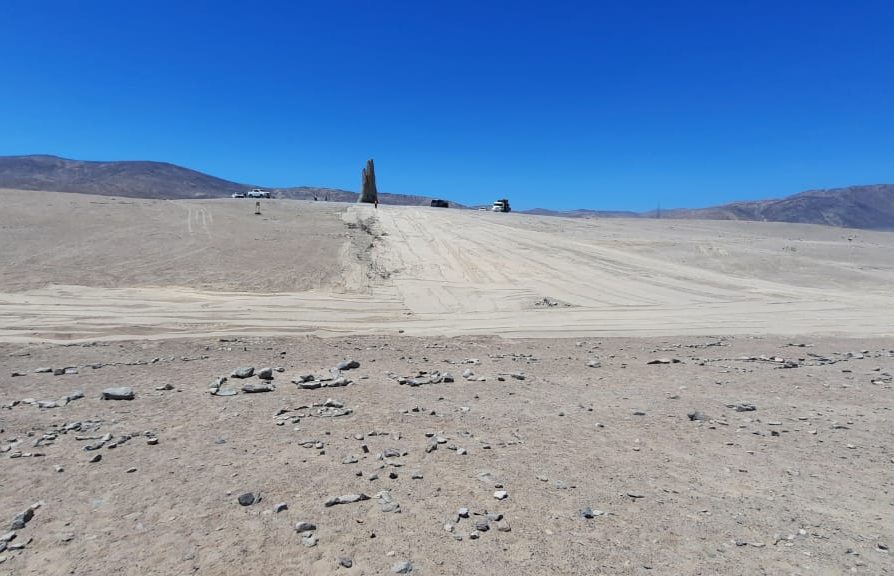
(561, 408)
(788, 488)
(86, 268)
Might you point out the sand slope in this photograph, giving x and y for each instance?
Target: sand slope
(83, 267)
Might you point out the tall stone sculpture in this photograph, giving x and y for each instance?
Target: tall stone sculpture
(368, 192)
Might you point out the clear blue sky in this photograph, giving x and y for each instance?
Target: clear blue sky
(605, 105)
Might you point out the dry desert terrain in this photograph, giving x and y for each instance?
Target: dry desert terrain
(529, 395)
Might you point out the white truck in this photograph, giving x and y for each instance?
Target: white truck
(501, 205)
(258, 193)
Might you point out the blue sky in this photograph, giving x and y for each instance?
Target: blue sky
(603, 105)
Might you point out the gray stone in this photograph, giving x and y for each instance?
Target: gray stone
(43, 370)
(463, 512)
(256, 388)
(696, 416)
(96, 458)
(345, 562)
(22, 519)
(281, 507)
(305, 527)
(247, 499)
(243, 372)
(404, 567)
(482, 525)
(348, 365)
(501, 494)
(345, 499)
(226, 392)
(119, 393)
(265, 373)
(310, 540)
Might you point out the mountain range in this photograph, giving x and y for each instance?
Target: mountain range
(870, 207)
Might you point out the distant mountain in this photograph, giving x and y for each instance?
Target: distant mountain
(139, 179)
(869, 207)
(127, 178)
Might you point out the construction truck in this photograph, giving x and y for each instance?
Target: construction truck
(501, 205)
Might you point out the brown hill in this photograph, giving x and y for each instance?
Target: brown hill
(161, 180)
(870, 207)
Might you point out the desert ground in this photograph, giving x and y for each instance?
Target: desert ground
(528, 395)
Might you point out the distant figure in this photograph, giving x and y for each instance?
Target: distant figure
(377, 203)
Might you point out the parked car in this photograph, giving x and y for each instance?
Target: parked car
(258, 193)
(439, 204)
(238, 194)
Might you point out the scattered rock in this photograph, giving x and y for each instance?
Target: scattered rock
(348, 365)
(404, 567)
(501, 494)
(256, 388)
(265, 373)
(696, 416)
(281, 507)
(345, 562)
(119, 393)
(247, 499)
(305, 527)
(21, 519)
(346, 499)
(243, 372)
(664, 361)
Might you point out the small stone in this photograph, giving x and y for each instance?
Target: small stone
(247, 499)
(696, 416)
(257, 388)
(96, 458)
(22, 519)
(8, 537)
(281, 507)
(131, 470)
(265, 373)
(482, 525)
(594, 364)
(463, 512)
(404, 567)
(305, 527)
(504, 527)
(664, 361)
(243, 372)
(119, 393)
(501, 494)
(345, 562)
(310, 540)
(152, 441)
(348, 365)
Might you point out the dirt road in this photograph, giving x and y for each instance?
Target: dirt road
(168, 269)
